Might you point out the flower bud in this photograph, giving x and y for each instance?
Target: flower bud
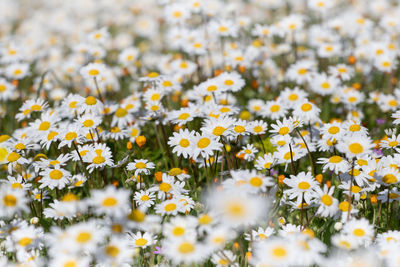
(141, 140)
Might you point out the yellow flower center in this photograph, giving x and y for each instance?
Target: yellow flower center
(88, 123)
(186, 248)
(20, 146)
(184, 142)
(90, 100)
(203, 142)
(356, 148)
(212, 88)
(83, 237)
(153, 75)
(275, 108)
(257, 129)
(56, 175)
(327, 200)
(256, 181)
(284, 130)
(178, 231)
(145, 198)
(303, 185)
(112, 251)
(302, 71)
(93, 72)
(358, 232)
(236, 209)
(110, 201)
(36, 107)
(44, 126)
(279, 252)
(167, 84)
(184, 116)
(121, 112)
(344, 206)
(140, 242)
(239, 129)
(219, 130)
(355, 128)
(229, 82)
(175, 171)
(333, 130)
(51, 135)
(13, 156)
(16, 186)
(306, 107)
(25, 241)
(170, 207)
(205, 219)
(9, 200)
(335, 159)
(293, 97)
(140, 165)
(389, 179)
(165, 187)
(71, 135)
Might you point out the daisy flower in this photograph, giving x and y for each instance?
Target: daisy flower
(98, 156)
(186, 251)
(307, 111)
(220, 126)
(93, 71)
(265, 162)
(355, 147)
(140, 240)
(302, 186)
(182, 116)
(260, 234)
(144, 198)
(12, 201)
(116, 252)
(91, 105)
(301, 71)
(232, 81)
(249, 152)
(282, 128)
(335, 163)
(205, 145)
(54, 178)
(291, 97)
(225, 258)
(360, 229)
(169, 207)
(274, 252)
(17, 71)
(7, 90)
(258, 127)
(328, 205)
(180, 227)
(274, 110)
(72, 133)
(110, 201)
(236, 208)
(342, 71)
(182, 142)
(140, 166)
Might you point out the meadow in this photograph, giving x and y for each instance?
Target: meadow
(199, 133)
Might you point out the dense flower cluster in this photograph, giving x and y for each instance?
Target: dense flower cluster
(199, 133)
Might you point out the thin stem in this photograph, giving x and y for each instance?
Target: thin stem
(309, 153)
(350, 189)
(291, 160)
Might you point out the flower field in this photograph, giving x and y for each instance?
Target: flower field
(199, 133)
